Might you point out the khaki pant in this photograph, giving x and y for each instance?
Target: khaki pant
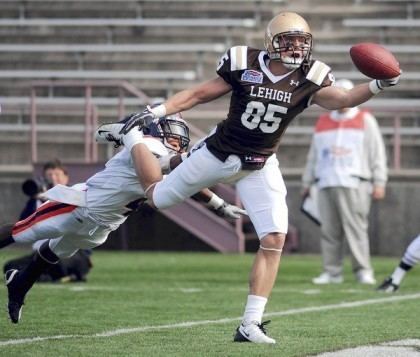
(344, 215)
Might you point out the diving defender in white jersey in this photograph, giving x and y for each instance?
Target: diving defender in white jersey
(268, 89)
(82, 217)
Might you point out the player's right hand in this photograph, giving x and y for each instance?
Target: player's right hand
(139, 120)
(230, 211)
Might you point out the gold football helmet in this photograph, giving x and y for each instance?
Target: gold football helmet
(288, 39)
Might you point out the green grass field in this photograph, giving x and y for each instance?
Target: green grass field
(158, 304)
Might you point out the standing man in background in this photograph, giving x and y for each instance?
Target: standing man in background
(347, 161)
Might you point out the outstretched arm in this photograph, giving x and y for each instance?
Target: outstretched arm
(332, 98)
(181, 101)
(201, 93)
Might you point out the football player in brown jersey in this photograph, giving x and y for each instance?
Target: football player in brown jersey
(268, 89)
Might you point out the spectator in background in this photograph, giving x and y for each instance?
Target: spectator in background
(53, 173)
(347, 161)
(410, 258)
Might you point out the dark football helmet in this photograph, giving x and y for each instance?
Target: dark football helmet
(171, 126)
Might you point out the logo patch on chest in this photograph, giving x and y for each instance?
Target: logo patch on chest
(252, 76)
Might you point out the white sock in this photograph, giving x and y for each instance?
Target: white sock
(133, 137)
(254, 309)
(398, 275)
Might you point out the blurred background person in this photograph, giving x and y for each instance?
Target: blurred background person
(53, 173)
(410, 258)
(347, 162)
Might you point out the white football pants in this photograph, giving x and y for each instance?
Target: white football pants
(262, 192)
(68, 228)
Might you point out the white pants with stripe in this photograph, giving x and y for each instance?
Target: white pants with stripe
(68, 229)
(262, 192)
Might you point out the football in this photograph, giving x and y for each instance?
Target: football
(374, 61)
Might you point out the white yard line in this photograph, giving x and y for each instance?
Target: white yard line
(187, 290)
(343, 305)
(400, 348)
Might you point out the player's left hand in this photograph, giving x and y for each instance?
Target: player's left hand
(385, 83)
(227, 210)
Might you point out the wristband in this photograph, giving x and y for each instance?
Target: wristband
(215, 202)
(374, 87)
(159, 111)
(133, 137)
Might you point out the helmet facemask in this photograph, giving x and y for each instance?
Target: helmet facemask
(171, 127)
(292, 48)
(288, 39)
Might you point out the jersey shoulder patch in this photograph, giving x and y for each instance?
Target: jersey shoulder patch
(238, 58)
(318, 72)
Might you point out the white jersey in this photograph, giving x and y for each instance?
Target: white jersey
(113, 193)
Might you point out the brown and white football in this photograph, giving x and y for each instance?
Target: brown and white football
(374, 61)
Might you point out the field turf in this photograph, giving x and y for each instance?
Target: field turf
(189, 304)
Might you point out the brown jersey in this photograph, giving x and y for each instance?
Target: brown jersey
(262, 105)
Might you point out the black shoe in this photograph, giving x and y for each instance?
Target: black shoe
(16, 297)
(388, 286)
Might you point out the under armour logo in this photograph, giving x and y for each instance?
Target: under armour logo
(248, 157)
(294, 83)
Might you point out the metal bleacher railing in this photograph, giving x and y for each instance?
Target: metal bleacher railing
(90, 104)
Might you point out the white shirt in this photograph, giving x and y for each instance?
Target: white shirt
(346, 147)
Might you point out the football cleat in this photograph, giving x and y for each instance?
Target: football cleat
(388, 286)
(326, 278)
(109, 133)
(16, 297)
(365, 277)
(253, 332)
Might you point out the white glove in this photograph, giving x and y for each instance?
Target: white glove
(383, 83)
(224, 209)
(377, 85)
(230, 211)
